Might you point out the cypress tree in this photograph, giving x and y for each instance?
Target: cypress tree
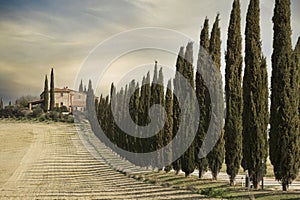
(216, 156)
(154, 99)
(233, 90)
(255, 98)
(90, 99)
(284, 121)
(1, 104)
(176, 109)
(161, 97)
(169, 124)
(81, 87)
(296, 54)
(112, 109)
(46, 95)
(203, 99)
(188, 158)
(52, 100)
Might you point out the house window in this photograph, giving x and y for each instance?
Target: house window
(61, 104)
(61, 94)
(56, 105)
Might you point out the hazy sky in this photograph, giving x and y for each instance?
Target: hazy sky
(38, 35)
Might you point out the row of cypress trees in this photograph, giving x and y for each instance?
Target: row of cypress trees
(244, 141)
(247, 119)
(151, 93)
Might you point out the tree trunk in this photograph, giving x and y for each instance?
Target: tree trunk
(200, 174)
(284, 186)
(255, 182)
(214, 176)
(232, 181)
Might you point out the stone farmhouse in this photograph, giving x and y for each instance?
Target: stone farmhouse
(69, 98)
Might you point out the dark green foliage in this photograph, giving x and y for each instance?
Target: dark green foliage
(46, 95)
(80, 87)
(1, 104)
(90, 100)
(255, 98)
(22, 102)
(296, 55)
(168, 129)
(157, 97)
(176, 108)
(37, 111)
(203, 98)
(216, 156)
(284, 118)
(52, 100)
(188, 158)
(233, 90)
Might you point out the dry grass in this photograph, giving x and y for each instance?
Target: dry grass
(14, 144)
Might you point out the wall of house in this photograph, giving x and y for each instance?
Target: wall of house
(62, 99)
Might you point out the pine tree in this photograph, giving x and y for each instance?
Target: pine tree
(233, 71)
(284, 119)
(81, 87)
(255, 98)
(176, 109)
(203, 98)
(46, 95)
(169, 125)
(216, 156)
(188, 158)
(52, 100)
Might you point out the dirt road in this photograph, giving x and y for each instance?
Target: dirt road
(57, 165)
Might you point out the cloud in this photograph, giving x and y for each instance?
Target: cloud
(38, 35)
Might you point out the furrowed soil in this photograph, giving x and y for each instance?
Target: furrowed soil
(54, 161)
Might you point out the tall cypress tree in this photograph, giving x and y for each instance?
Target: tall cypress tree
(188, 158)
(81, 87)
(296, 56)
(284, 121)
(176, 109)
(169, 125)
(52, 100)
(1, 104)
(46, 95)
(154, 100)
(203, 99)
(161, 97)
(255, 98)
(216, 156)
(233, 78)
(90, 99)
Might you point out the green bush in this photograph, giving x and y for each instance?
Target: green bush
(37, 112)
(210, 192)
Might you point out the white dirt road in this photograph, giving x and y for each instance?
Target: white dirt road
(60, 165)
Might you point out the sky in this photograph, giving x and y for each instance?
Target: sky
(38, 35)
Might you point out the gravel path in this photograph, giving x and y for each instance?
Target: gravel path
(64, 163)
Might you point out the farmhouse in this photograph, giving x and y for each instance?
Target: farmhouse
(65, 97)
